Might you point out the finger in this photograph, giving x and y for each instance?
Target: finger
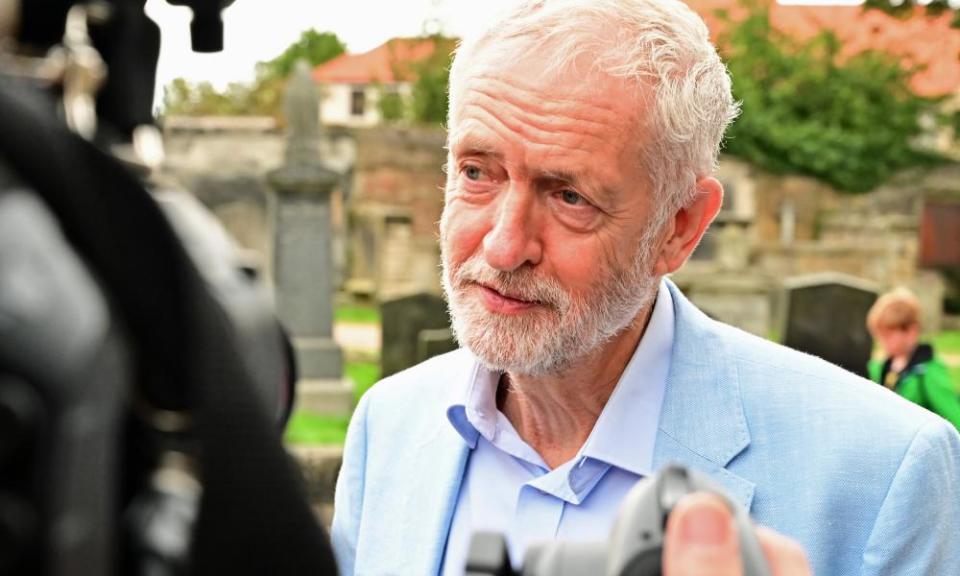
(701, 539)
(784, 556)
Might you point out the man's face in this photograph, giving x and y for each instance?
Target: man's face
(546, 239)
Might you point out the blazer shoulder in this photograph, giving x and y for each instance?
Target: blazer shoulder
(803, 387)
(432, 382)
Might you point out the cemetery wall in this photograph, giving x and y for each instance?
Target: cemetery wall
(395, 210)
(775, 194)
(403, 167)
(385, 212)
(801, 227)
(224, 162)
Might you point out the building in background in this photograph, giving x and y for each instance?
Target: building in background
(352, 85)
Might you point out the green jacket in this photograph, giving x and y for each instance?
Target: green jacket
(925, 381)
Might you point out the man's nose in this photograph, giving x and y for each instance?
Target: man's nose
(514, 239)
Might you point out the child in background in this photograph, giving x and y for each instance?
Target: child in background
(910, 369)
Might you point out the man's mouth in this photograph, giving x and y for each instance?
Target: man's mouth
(496, 301)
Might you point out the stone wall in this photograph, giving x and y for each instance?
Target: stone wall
(224, 161)
(385, 212)
(778, 196)
(800, 226)
(395, 208)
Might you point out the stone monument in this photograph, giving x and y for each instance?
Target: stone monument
(303, 265)
(825, 315)
(414, 327)
(723, 282)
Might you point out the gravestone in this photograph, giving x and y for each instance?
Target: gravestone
(434, 342)
(303, 265)
(825, 315)
(413, 328)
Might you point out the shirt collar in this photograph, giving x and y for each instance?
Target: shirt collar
(475, 411)
(626, 430)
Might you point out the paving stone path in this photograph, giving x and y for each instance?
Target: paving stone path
(357, 336)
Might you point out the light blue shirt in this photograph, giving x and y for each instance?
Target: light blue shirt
(508, 488)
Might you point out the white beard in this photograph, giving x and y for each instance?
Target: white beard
(563, 328)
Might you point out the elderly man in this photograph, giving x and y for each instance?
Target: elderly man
(582, 139)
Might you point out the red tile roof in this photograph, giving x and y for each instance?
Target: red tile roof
(929, 42)
(919, 40)
(387, 63)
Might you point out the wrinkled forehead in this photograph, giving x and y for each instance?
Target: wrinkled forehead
(519, 67)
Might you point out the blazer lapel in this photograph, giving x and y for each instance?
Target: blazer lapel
(422, 493)
(702, 423)
(439, 473)
(421, 501)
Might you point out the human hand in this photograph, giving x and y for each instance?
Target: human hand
(701, 540)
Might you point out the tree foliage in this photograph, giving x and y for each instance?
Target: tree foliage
(202, 99)
(908, 8)
(427, 102)
(847, 120)
(263, 96)
(312, 46)
(430, 97)
(392, 106)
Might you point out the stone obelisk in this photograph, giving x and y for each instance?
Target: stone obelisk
(303, 265)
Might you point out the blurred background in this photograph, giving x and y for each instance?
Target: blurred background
(842, 178)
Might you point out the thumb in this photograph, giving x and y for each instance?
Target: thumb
(701, 539)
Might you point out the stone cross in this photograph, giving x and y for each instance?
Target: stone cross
(303, 122)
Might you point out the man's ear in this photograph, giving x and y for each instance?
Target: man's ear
(686, 226)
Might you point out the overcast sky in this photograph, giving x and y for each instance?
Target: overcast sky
(258, 30)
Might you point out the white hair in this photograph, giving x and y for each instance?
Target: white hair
(660, 46)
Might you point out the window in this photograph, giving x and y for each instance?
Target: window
(358, 100)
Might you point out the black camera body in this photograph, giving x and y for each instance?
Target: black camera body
(143, 375)
(64, 365)
(132, 345)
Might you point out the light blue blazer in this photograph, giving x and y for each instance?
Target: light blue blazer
(866, 481)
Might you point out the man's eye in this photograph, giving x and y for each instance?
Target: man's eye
(572, 198)
(472, 172)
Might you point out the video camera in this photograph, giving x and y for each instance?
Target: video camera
(635, 546)
(72, 45)
(144, 379)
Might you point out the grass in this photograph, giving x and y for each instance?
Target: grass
(308, 428)
(363, 374)
(364, 370)
(947, 342)
(356, 314)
